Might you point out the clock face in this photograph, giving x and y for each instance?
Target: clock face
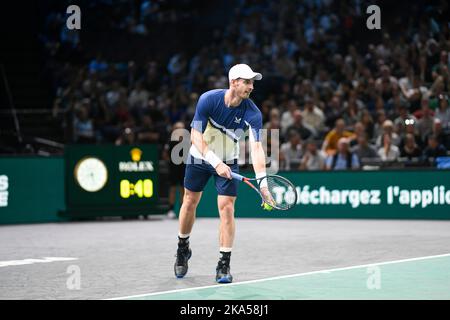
(91, 174)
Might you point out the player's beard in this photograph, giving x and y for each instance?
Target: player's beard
(246, 95)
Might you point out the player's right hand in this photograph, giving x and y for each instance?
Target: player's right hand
(223, 170)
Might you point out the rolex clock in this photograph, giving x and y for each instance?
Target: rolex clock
(109, 180)
(91, 174)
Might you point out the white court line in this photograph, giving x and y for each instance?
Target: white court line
(33, 261)
(282, 277)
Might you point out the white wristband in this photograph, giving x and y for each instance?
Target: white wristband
(212, 159)
(263, 183)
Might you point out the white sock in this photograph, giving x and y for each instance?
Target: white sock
(183, 236)
(225, 249)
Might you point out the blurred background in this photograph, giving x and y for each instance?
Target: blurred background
(378, 98)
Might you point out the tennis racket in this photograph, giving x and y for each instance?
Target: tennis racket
(281, 190)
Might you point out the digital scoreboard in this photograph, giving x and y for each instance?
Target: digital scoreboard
(109, 180)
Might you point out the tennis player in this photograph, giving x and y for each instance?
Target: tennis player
(222, 117)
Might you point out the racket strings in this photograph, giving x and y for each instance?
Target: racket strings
(282, 192)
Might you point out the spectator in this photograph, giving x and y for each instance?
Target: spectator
(313, 116)
(330, 144)
(426, 121)
(378, 126)
(410, 128)
(413, 90)
(410, 149)
(333, 111)
(291, 151)
(359, 130)
(343, 159)
(138, 98)
(388, 128)
(312, 158)
(386, 84)
(352, 110)
(303, 130)
(380, 104)
(83, 126)
(147, 133)
(442, 67)
(389, 151)
(433, 150)
(287, 118)
(403, 116)
(266, 107)
(364, 150)
(121, 113)
(440, 134)
(98, 64)
(274, 120)
(113, 95)
(367, 121)
(443, 111)
(128, 137)
(177, 64)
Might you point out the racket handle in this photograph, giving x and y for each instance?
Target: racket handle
(237, 176)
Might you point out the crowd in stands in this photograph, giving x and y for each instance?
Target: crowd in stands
(337, 105)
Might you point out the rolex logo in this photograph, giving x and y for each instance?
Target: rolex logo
(136, 154)
(136, 165)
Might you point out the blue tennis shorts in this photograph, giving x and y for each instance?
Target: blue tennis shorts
(198, 173)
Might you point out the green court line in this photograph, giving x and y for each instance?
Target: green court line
(417, 279)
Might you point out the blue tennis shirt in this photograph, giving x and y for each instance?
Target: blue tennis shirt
(224, 126)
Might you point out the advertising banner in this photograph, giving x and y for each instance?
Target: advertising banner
(349, 194)
(31, 189)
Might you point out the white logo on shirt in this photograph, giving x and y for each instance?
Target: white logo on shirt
(237, 120)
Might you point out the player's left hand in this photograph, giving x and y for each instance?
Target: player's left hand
(268, 199)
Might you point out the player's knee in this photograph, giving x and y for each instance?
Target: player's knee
(227, 209)
(190, 200)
